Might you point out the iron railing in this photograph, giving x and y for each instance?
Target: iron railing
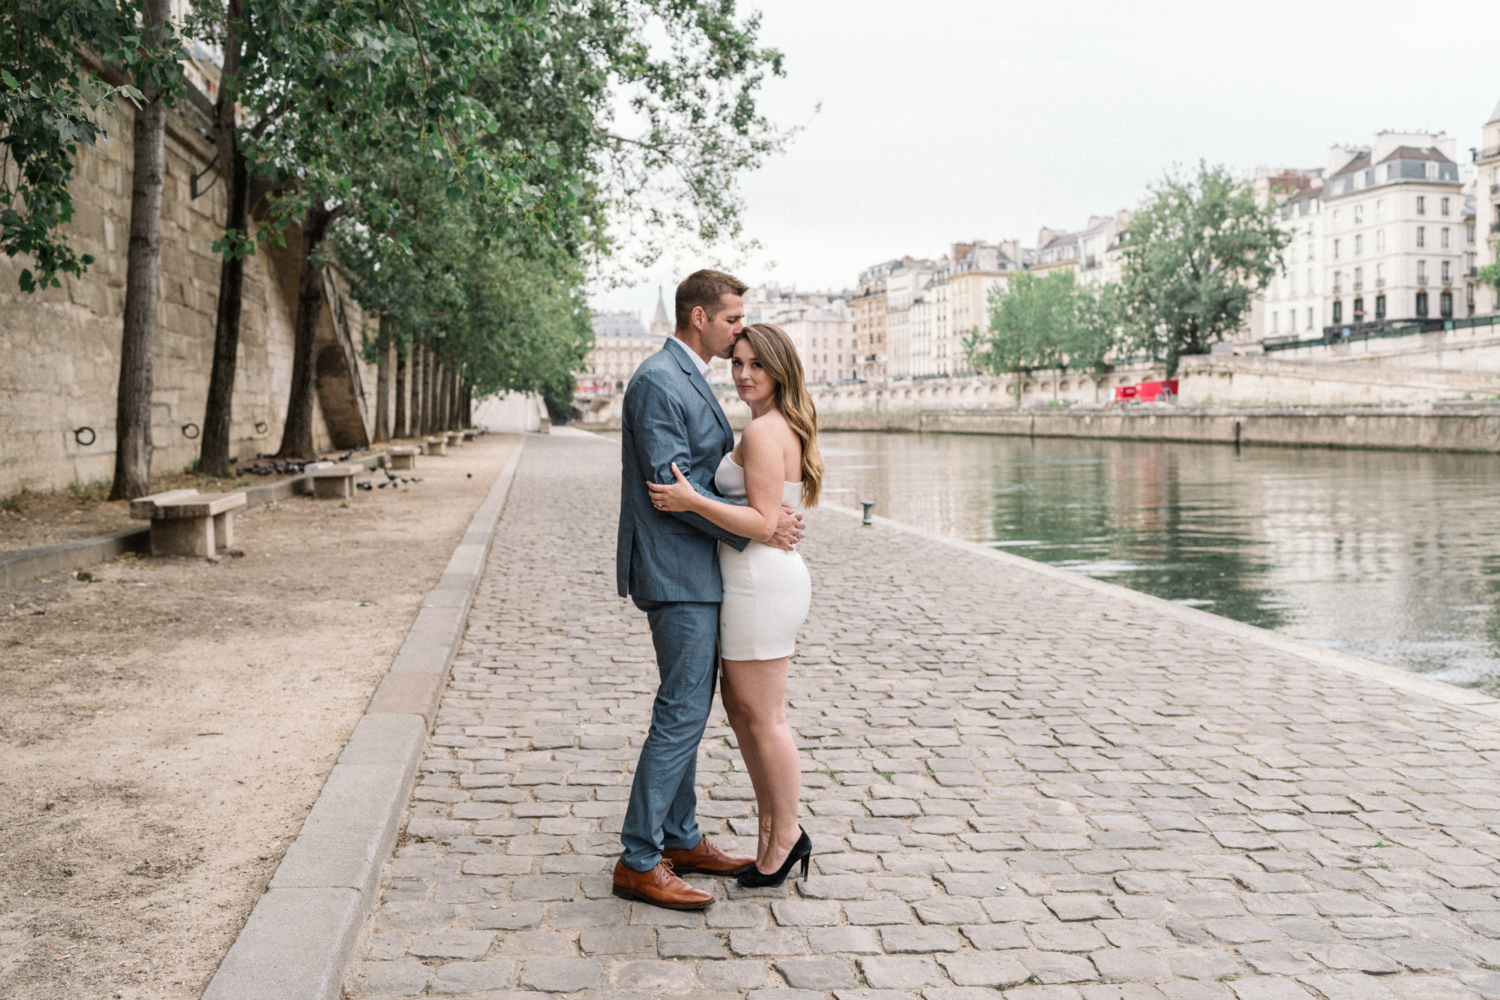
(1347, 332)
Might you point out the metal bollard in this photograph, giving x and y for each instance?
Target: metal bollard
(869, 519)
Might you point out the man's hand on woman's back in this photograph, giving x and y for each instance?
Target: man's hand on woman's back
(788, 530)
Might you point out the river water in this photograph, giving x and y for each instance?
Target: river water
(1392, 556)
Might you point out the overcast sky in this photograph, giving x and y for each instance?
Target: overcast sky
(947, 120)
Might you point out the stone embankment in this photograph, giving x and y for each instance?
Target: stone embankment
(1014, 781)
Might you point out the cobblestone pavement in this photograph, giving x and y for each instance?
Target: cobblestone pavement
(1012, 784)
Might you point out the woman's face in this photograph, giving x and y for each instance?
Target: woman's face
(754, 384)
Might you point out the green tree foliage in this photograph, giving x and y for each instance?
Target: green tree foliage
(1490, 275)
(1195, 256)
(1047, 321)
(50, 101)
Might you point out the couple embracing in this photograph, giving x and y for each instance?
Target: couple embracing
(707, 549)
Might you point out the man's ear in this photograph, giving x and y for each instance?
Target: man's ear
(699, 317)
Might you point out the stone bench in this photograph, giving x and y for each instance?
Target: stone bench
(189, 523)
(333, 482)
(468, 435)
(454, 438)
(437, 445)
(403, 456)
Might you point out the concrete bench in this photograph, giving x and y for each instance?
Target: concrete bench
(468, 435)
(403, 456)
(189, 523)
(454, 438)
(437, 446)
(334, 482)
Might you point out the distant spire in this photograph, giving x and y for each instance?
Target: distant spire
(659, 322)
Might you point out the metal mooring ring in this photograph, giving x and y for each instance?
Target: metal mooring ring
(190, 431)
(80, 433)
(261, 427)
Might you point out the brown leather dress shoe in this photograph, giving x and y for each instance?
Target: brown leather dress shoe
(659, 887)
(706, 859)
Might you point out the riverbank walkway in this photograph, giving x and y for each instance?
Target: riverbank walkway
(1015, 786)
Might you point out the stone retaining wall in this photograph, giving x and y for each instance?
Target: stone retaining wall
(60, 348)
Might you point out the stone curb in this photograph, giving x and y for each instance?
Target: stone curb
(1390, 676)
(29, 564)
(302, 931)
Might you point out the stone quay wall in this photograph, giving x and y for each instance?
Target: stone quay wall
(1252, 399)
(60, 348)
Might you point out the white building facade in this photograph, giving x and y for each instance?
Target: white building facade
(1486, 246)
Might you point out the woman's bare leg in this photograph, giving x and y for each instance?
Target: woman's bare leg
(746, 740)
(760, 694)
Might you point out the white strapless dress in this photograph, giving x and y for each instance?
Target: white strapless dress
(767, 591)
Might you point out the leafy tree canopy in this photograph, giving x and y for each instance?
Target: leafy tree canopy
(1046, 321)
(1195, 255)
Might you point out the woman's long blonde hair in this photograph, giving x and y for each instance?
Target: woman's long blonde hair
(778, 356)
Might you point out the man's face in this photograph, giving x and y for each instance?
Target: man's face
(726, 323)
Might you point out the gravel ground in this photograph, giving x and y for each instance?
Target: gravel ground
(165, 729)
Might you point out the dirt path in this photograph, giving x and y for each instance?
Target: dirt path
(164, 731)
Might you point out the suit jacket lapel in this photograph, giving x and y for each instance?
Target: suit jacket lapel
(704, 389)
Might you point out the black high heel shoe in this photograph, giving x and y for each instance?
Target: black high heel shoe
(754, 878)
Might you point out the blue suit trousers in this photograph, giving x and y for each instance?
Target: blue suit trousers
(663, 808)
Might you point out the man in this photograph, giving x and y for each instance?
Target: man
(668, 563)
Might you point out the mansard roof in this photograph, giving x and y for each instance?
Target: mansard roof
(1415, 153)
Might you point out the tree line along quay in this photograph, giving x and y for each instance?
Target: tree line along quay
(228, 225)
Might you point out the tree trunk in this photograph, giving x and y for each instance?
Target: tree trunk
(383, 384)
(143, 260)
(297, 433)
(401, 430)
(416, 390)
(213, 457)
(429, 383)
(446, 396)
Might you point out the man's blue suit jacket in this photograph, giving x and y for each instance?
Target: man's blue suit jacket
(671, 415)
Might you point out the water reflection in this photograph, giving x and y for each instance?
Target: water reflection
(1394, 556)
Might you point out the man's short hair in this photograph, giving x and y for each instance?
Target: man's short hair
(705, 288)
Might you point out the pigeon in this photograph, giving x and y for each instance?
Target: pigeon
(471, 475)
(416, 479)
(381, 486)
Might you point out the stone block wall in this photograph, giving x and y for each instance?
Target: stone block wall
(60, 348)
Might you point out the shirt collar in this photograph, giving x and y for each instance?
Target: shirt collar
(705, 368)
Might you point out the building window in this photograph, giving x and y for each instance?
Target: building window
(1359, 214)
(1309, 317)
(1445, 305)
(1276, 322)
(1421, 303)
(1380, 241)
(1335, 249)
(1469, 232)
(1338, 312)
(1446, 277)
(1359, 310)
(1444, 238)
(1469, 296)
(1421, 205)
(1338, 282)
(1359, 281)
(1359, 246)
(1421, 236)
(1444, 206)
(1380, 307)
(1421, 272)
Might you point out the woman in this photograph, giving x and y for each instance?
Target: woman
(766, 590)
